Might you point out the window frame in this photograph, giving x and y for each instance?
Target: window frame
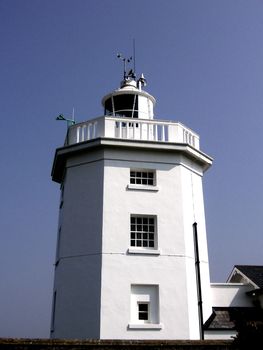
(139, 179)
(143, 312)
(141, 295)
(142, 236)
(146, 177)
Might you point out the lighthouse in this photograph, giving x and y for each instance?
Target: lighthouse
(131, 258)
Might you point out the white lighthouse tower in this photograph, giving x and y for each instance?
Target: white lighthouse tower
(132, 260)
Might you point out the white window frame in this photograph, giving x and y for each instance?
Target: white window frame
(144, 312)
(137, 176)
(140, 232)
(145, 294)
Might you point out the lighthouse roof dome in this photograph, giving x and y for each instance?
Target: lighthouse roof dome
(129, 100)
(129, 86)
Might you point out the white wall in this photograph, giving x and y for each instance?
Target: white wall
(95, 271)
(224, 334)
(177, 204)
(230, 294)
(78, 271)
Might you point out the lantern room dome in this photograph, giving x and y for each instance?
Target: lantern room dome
(130, 100)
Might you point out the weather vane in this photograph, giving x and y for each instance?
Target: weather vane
(69, 121)
(125, 60)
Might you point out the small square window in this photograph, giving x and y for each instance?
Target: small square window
(143, 311)
(144, 306)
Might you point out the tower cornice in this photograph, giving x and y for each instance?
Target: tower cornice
(64, 153)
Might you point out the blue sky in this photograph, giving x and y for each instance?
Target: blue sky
(203, 60)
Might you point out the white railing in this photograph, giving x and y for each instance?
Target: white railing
(135, 129)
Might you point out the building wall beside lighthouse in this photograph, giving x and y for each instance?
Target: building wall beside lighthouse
(77, 286)
(169, 271)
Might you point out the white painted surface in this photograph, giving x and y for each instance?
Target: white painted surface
(146, 101)
(220, 334)
(78, 269)
(231, 294)
(134, 129)
(173, 270)
(95, 272)
(147, 294)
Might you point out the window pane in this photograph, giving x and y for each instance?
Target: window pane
(151, 236)
(143, 316)
(151, 228)
(142, 177)
(143, 313)
(142, 234)
(145, 243)
(143, 307)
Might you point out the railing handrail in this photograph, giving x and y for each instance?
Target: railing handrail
(132, 128)
(137, 120)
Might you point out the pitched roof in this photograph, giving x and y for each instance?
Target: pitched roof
(226, 318)
(220, 319)
(253, 272)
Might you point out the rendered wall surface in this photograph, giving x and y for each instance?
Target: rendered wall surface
(231, 294)
(95, 267)
(78, 271)
(177, 204)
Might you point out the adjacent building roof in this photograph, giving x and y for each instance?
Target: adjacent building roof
(226, 318)
(247, 274)
(219, 320)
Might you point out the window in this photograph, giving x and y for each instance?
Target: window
(143, 231)
(144, 307)
(143, 311)
(142, 177)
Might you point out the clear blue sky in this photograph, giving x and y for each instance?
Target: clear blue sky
(203, 60)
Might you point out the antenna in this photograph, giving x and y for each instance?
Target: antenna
(134, 68)
(73, 115)
(124, 59)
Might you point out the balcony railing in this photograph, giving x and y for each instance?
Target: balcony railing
(132, 129)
